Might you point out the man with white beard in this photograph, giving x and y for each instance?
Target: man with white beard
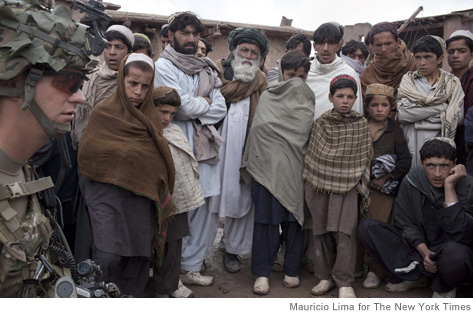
(243, 82)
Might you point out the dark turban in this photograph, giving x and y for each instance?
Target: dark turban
(251, 36)
(244, 35)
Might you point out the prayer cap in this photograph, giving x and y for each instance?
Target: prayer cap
(142, 36)
(161, 91)
(125, 31)
(251, 36)
(379, 89)
(140, 57)
(464, 33)
(444, 139)
(343, 77)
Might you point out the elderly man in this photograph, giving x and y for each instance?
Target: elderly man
(392, 58)
(243, 83)
(202, 105)
(327, 65)
(433, 231)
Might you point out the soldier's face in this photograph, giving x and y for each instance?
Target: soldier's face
(56, 104)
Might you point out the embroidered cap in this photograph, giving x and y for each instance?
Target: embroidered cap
(379, 89)
(343, 77)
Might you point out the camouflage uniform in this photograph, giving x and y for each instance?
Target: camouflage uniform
(32, 37)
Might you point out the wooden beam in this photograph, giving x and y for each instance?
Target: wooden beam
(412, 17)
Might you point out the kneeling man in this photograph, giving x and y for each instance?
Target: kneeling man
(433, 232)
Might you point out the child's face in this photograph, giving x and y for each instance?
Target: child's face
(292, 73)
(427, 63)
(166, 113)
(342, 100)
(379, 108)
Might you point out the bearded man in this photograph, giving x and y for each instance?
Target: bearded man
(202, 105)
(243, 83)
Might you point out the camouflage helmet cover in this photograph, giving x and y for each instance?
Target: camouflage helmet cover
(31, 35)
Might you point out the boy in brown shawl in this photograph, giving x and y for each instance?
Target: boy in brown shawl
(336, 170)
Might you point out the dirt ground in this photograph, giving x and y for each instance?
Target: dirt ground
(240, 285)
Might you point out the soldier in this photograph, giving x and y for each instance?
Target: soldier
(43, 58)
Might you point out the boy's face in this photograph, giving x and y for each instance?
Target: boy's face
(326, 52)
(459, 55)
(166, 113)
(201, 50)
(137, 84)
(427, 63)
(379, 108)
(358, 55)
(114, 53)
(342, 100)
(292, 73)
(437, 170)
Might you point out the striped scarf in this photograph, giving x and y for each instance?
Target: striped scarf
(339, 155)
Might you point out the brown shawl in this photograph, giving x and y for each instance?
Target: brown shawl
(124, 146)
(234, 91)
(388, 69)
(339, 155)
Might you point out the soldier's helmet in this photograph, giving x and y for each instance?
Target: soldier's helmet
(32, 35)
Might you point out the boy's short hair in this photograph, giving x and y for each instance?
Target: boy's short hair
(343, 81)
(327, 32)
(439, 148)
(428, 44)
(294, 59)
(296, 40)
(113, 34)
(164, 95)
(352, 46)
(142, 42)
(180, 20)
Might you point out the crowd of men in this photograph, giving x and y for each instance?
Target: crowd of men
(239, 138)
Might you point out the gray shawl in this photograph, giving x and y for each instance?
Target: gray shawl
(277, 143)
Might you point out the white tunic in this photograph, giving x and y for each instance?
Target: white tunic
(235, 198)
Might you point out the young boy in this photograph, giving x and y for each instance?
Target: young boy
(274, 166)
(429, 100)
(336, 170)
(391, 162)
(433, 231)
(187, 195)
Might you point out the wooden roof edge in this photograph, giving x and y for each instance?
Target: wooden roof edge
(121, 16)
(439, 17)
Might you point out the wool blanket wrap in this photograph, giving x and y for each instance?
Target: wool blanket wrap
(448, 92)
(277, 143)
(339, 155)
(124, 146)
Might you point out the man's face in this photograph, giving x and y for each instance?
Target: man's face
(246, 62)
(58, 95)
(358, 55)
(114, 53)
(185, 41)
(326, 52)
(166, 113)
(427, 63)
(293, 73)
(201, 50)
(384, 43)
(165, 41)
(459, 55)
(137, 84)
(437, 170)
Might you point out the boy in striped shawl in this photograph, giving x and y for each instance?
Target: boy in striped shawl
(336, 170)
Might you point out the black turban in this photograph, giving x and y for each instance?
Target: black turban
(244, 35)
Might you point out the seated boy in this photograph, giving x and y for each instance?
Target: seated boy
(429, 100)
(433, 231)
(272, 163)
(187, 195)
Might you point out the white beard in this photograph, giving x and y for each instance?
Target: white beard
(244, 72)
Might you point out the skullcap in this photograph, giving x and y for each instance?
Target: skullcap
(125, 31)
(379, 89)
(464, 33)
(140, 57)
(343, 77)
